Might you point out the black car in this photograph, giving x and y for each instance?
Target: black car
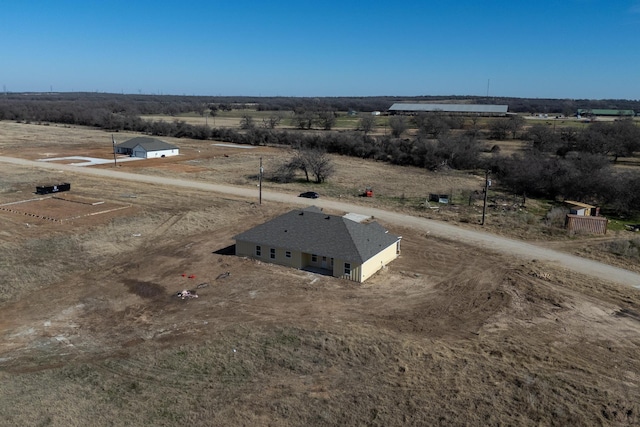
(309, 195)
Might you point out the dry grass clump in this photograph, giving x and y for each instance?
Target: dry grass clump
(38, 262)
(291, 376)
(625, 248)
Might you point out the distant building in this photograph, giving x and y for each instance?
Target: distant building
(480, 109)
(310, 239)
(146, 148)
(606, 112)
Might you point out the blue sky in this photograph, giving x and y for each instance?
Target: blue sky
(520, 48)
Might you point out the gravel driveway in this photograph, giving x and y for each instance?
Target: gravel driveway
(487, 241)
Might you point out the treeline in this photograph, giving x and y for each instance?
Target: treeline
(573, 163)
(557, 165)
(31, 106)
(563, 163)
(579, 176)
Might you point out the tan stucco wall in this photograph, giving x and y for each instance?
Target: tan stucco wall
(370, 267)
(248, 249)
(338, 270)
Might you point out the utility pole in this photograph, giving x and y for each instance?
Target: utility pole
(487, 184)
(260, 182)
(113, 141)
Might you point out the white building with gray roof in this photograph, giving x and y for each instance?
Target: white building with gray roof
(146, 148)
(310, 238)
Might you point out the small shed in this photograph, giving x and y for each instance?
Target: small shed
(582, 209)
(439, 198)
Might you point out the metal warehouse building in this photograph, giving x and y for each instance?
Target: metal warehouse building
(479, 109)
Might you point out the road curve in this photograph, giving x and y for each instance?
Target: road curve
(488, 241)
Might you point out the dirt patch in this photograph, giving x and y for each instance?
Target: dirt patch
(145, 289)
(62, 208)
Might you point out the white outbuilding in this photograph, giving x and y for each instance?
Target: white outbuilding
(146, 148)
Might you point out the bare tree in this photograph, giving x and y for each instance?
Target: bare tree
(303, 119)
(272, 121)
(499, 129)
(283, 172)
(213, 112)
(432, 125)
(247, 122)
(367, 123)
(515, 124)
(474, 130)
(398, 125)
(299, 161)
(321, 165)
(542, 138)
(327, 119)
(313, 162)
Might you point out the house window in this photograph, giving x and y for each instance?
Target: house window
(258, 251)
(287, 254)
(347, 268)
(314, 258)
(272, 253)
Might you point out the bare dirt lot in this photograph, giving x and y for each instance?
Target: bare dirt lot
(91, 332)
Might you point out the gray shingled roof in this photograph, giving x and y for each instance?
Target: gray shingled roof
(149, 144)
(312, 231)
(451, 108)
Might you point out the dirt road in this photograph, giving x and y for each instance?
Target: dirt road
(487, 241)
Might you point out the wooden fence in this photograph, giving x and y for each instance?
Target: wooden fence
(586, 224)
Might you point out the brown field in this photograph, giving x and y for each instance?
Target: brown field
(220, 122)
(92, 334)
(64, 207)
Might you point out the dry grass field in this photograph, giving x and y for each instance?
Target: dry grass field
(91, 332)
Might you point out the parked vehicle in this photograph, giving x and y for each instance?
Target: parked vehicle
(309, 195)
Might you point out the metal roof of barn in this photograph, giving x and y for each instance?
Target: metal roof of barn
(149, 144)
(578, 204)
(450, 108)
(311, 231)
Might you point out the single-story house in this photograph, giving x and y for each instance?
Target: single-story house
(146, 148)
(309, 238)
